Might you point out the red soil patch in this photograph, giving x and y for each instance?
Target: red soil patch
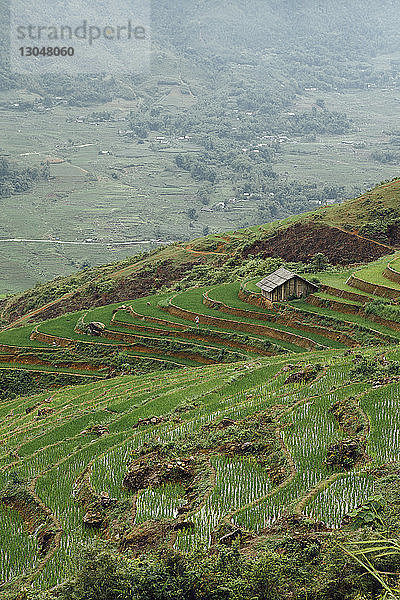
(137, 285)
(301, 241)
(394, 234)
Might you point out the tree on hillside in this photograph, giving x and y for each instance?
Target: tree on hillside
(319, 262)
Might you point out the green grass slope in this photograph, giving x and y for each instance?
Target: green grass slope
(238, 445)
(197, 412)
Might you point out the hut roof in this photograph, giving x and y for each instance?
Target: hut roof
(278, 278)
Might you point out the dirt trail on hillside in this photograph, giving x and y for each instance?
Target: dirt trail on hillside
(204, 252)
(362, 237)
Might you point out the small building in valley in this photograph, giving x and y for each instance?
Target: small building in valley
(283, 284)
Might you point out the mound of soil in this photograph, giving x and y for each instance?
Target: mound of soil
(296, 525)
(349, 416)
(98, 430)
(93, 518)
(344, 455)
(302, 241)
(146, 536)
(43, 412)
(152, 470)
(148, 421)
(227, 533)
(219, 424)
(252, 436)
(97, 507)
(307, 374)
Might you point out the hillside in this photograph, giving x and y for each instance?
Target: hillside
(206, 311)
(358, 230)
(252, 111)
(272, 442)
(160, 406)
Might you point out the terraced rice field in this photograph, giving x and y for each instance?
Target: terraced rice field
(142, 328)
(374, 273)
(50, 449)
(52, 453)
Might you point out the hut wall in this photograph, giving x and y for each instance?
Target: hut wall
(293, 287)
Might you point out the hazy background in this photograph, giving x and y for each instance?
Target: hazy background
(249, 111)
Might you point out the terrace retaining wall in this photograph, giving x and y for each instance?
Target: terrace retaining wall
(238, 326)
(337, 336)
(52, 340)
(155, 320)
(12, 349)
(254, 298)
(391, 274)
(39, 362)
(349, 309)
(386, 322)
(194, 335)
(373, 288)
(237, 312)
(335, 305)
(344, 294)
(68, 342)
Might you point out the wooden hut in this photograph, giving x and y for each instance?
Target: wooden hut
(283, 284)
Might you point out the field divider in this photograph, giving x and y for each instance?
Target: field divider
(188, 315)
(283, 319)
(253, 298)
(285, 450)
(372, 288)
(218, 413)
(391, 274)
(194, 334)
(343, 307)
(84, 409)
(50, 468)
(158, 320)
(33, 360)
(344, 294)
(292, 474)
(321, 485)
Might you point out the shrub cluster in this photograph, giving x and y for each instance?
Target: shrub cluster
(383, 308)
